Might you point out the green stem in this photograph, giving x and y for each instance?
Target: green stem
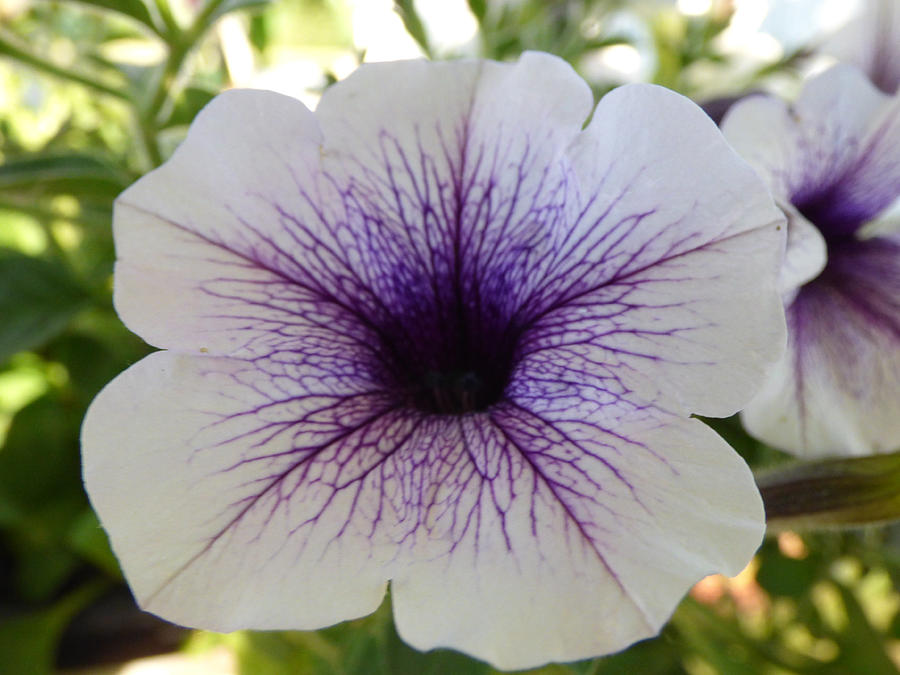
(165, 13)
(147, 134)
(9, 49)
(179, 47)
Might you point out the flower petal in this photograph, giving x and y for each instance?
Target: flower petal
(355, 214)
(871, 41)
(583, 537)
(835, 154)
(213, 267)
(805, 255)
(217, 484)
(662, 271)
(461, 170)
(291, 253)
(837, 391)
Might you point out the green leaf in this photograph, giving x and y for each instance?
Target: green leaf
(14, 48)
(232, 6)
(41, 572)
(134, 8)
(188, 103)
(404, 660)
(39, 460)
(863, 649)
(37, 300)
(89, 362)
(40, 477)
(76, 174)
(478, 8)
(657, 656)
(414, 26)
(279, 653)
(88, 539)
(780, 575)
(28, 643)
(726, 647)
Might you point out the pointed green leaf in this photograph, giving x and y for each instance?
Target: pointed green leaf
(414, 26)
(233, 5)
(478, 8)
(136, 9)
(37, 300)
(63, 173)
(863, 649)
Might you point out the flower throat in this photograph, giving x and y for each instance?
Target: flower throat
(451, 367)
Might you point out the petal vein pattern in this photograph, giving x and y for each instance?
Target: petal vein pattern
(447, 339)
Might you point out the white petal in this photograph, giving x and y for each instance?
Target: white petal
(459, 170)
(871, 41)
(805, 254)
(838, 144)
(215, 484)
(582, 540)
(762, 130)
(671, 266)
(263, 211)
(837, 390)
(205, 250)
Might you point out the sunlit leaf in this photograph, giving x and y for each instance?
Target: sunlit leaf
(276, 653)
(863, 649)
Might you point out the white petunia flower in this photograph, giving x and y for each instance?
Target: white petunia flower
(439, 335)
(833, 161)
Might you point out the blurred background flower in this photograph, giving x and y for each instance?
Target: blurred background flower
(832, 160)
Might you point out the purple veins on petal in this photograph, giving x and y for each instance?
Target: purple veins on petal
(445, 339)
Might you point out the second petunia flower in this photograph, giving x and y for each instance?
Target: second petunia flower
(442, 335)
(832, 160)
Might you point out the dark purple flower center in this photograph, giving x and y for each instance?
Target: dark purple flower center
(449, 364)
(462, 373)
(835, 217)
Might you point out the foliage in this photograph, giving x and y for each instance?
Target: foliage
(96, 93)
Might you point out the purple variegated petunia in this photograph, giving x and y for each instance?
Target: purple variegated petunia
(832, 161)
(442, 335)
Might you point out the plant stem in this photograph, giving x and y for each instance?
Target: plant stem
(180, 46)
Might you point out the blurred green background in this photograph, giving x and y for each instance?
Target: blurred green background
(93, 94)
